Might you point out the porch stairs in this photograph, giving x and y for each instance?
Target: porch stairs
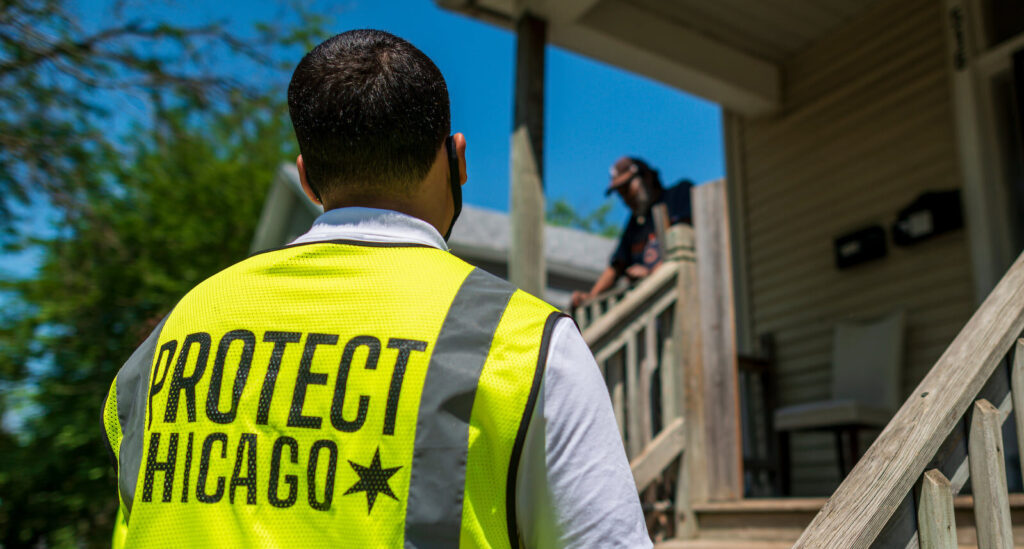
(777, 523)
(667, 352)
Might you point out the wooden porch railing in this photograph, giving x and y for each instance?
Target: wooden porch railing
(632, 340)
(900, 494)
(590, 310)
(666, 348)
(630, 343)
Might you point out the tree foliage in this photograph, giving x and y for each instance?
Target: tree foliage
(562, 214)
(62, 82)
(186, 206)
(141, 217)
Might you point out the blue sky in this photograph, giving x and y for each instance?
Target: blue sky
(594, 113)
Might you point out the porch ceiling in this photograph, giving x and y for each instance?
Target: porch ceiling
(728, 51)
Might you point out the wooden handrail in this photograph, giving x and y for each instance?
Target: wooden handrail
(624, 311)
(614, 292)
(590, 310)
(864, 502)
(647, 467)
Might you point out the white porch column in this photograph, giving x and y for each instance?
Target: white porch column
(986, 216)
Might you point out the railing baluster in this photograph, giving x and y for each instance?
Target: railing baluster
(607, 353)
(617, 390)
(650, 364)
(988, 478)
(593, 311)
(670, 405)
(935, 521)
(634, 442)
(1017, 394)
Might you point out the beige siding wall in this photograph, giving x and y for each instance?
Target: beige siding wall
(866, 128)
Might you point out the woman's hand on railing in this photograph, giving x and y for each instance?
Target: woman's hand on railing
(603, 283)
(637, 272)
(578, 298)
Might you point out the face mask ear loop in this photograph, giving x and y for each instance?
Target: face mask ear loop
(455, 181)
(316, 193)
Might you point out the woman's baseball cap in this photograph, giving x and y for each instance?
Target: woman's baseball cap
(623, 170)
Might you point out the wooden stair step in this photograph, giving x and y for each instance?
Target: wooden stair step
(777, 520)
(755, 544)
(720, 544)
(963, 514)
(770, 523)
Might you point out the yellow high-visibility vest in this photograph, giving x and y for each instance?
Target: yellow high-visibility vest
(333, 394)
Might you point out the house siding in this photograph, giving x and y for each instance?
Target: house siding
(866, 127)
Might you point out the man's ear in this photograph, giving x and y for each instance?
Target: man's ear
(460, 151)
(301, 166)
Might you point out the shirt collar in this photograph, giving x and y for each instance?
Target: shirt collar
(372, 225)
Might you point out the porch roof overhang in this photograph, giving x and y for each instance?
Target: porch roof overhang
(727, 51)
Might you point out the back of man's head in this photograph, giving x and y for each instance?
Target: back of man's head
(370, 113)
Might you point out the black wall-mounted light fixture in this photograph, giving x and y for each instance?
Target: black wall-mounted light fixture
(860, 246)
(931, 214)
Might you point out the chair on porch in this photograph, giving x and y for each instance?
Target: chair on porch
(867, 364)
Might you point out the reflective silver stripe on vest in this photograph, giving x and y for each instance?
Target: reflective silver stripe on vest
(438, 474)
(132, 392)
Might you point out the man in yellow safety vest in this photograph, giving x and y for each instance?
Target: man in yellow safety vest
(362, 387)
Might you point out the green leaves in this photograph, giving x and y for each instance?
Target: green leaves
(140, 217)
(62, 84)
(562, 214)
(185, 203)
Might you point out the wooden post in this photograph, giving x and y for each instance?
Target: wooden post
(659, 213)
(687, 377)
(1017, 395)
(988, 478)
(935, 522)
(718, 342)
(526, 266)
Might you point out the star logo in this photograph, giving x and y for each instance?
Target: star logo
(373, 480)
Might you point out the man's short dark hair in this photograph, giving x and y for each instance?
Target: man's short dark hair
(370, 112)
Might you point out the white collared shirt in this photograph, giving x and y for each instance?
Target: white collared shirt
(574, 486)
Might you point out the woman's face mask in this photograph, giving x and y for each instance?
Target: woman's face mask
(636, 196)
